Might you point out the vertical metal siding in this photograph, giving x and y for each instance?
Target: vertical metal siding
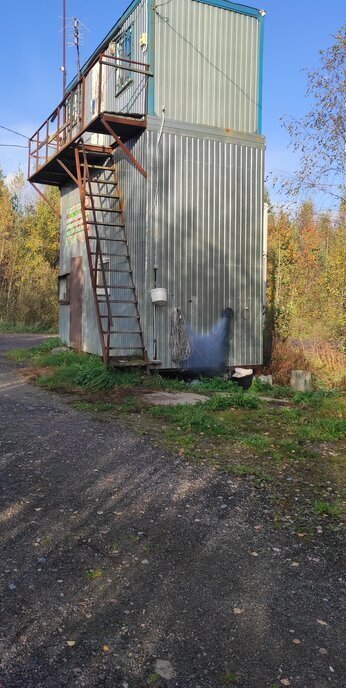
(132, 190)
(69, 249)
(206, 65)
(204, 199)
(208, 220)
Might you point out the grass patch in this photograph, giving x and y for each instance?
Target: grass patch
(19, 355)
(230, 679)
(93, 574)
(293, 453)
(323, 508)
(23, 328)
(153, 678)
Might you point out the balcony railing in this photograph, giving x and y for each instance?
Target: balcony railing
(78, 109)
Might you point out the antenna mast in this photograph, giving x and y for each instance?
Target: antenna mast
(76, 36)
(63, 66)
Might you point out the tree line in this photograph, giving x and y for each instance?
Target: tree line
(29, 256)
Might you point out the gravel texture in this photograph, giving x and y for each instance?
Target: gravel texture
(125, 567)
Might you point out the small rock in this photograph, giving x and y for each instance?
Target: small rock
(59, 349)
(145, 561)
(323, 651)
(164, 668)
(41, 560)
(12, 586)
(266, 379)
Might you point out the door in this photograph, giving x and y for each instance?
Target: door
(76, 302)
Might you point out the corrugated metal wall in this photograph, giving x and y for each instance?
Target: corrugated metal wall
(199, 217)
(206, 65)
(71, 247)
(208, 221)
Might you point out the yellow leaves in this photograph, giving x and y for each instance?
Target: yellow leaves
(105, 648)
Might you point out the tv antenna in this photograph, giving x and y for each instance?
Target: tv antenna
(77, 35)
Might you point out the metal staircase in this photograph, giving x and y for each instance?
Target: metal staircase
(111, 274)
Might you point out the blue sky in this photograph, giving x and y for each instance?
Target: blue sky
(30, 49)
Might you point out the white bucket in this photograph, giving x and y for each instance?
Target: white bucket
(159, 296)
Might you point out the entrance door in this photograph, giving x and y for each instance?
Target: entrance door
(76, 302)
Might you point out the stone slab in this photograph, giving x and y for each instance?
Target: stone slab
(173, 398)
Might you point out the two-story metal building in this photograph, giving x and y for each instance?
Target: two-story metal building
(158, 153)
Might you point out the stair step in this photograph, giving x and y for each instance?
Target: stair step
(129, 272)
(99, 167)
(103, 210)
(118, 348)
(101, 195)
(116, 255)
(116, 286)
(106, 224)
(120, 316)
(118, 301)
(122, 332)
(103, 181)
(103, 239)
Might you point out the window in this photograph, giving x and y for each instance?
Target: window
(101, 286)
(64, 289)
(123, 49)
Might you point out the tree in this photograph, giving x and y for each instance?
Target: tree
(29, 253)
(319, 136)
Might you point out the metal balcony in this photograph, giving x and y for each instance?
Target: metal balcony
(84, 111)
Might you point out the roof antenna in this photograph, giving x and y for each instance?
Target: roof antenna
(76, 37)
(63, 66)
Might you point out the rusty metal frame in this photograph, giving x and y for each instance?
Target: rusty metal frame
(64, 167)
(43, 195)
(123, 147)
(81, 186)
(67, 130)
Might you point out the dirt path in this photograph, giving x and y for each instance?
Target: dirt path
(115, 556)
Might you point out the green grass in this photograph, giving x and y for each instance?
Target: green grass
(153, 678)
(93, 574)
(323, 508)
(230, 678)
(278, 448)
(23, 328)
(19, 355)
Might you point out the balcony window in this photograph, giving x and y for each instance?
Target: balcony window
(123, 49)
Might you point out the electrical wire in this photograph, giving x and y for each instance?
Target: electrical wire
(156, 194)
(180, 340)
(14, 132)
(12, 145)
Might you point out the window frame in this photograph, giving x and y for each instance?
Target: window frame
(64, 299)
(123, 77)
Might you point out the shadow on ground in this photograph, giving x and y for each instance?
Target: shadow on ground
(115, 554)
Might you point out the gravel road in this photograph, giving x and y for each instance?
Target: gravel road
(125, 567)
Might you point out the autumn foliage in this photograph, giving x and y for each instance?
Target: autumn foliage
(29, 255)
(305, 322)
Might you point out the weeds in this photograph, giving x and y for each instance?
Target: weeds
(326, 509)
(93, 574)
